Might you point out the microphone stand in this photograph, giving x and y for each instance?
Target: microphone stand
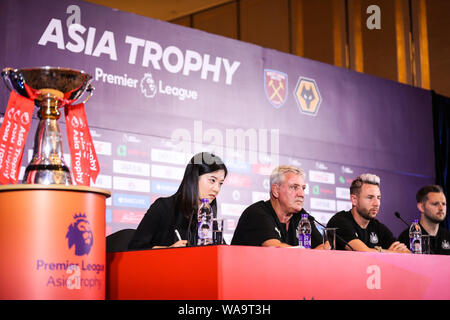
(337, 236)
(398, 216)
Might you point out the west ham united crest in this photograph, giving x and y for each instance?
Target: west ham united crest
(275, 86)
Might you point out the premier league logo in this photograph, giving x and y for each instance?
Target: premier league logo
(80, 235)
(275, 86)
(148, 86)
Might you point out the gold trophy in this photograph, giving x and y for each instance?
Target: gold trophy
(50, 88)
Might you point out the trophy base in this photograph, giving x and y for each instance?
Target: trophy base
(47, 174)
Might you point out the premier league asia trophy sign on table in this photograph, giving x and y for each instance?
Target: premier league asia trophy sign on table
(54, 216)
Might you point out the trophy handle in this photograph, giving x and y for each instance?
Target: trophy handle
(89, 89)
(5, 75)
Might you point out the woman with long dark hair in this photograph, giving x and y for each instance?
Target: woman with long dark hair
(203, 178)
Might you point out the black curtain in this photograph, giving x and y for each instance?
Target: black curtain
(441, 127)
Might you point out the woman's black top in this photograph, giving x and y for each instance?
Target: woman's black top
(157, 228)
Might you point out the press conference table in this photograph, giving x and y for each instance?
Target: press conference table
(256, 273)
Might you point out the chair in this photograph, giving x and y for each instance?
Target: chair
(119, 240)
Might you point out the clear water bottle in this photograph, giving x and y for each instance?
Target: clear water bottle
(204, 229)
(415, 237)
(304, 232)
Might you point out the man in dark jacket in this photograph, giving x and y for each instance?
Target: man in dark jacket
(432, 206)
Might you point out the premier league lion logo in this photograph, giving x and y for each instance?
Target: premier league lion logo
(148, 86)
(80, 235)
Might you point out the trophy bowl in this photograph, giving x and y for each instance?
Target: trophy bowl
(50, 88)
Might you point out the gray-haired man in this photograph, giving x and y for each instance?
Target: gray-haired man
(359, 226)
(273, 223)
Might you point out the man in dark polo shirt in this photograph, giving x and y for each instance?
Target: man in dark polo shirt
(273, 223)
(432, 206)
(358, 227)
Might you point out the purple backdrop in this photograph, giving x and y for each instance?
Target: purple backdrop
(164, 92)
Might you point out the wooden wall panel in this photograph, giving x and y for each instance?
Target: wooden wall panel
(380, 46)
(221, 20)
(355, 50)
(438, 18)
(183, 21)
(317, 20)
(266, 23)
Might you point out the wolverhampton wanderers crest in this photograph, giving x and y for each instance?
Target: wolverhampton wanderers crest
(307, 96)
(276, 87)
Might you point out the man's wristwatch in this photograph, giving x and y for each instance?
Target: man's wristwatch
(378, 248)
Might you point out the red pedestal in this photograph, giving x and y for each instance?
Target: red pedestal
(240, 272)
(52, 242)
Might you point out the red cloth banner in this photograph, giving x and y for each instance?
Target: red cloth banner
(84, 158)
(13, 135)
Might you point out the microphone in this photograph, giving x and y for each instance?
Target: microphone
(398, 216)
(337, 236)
